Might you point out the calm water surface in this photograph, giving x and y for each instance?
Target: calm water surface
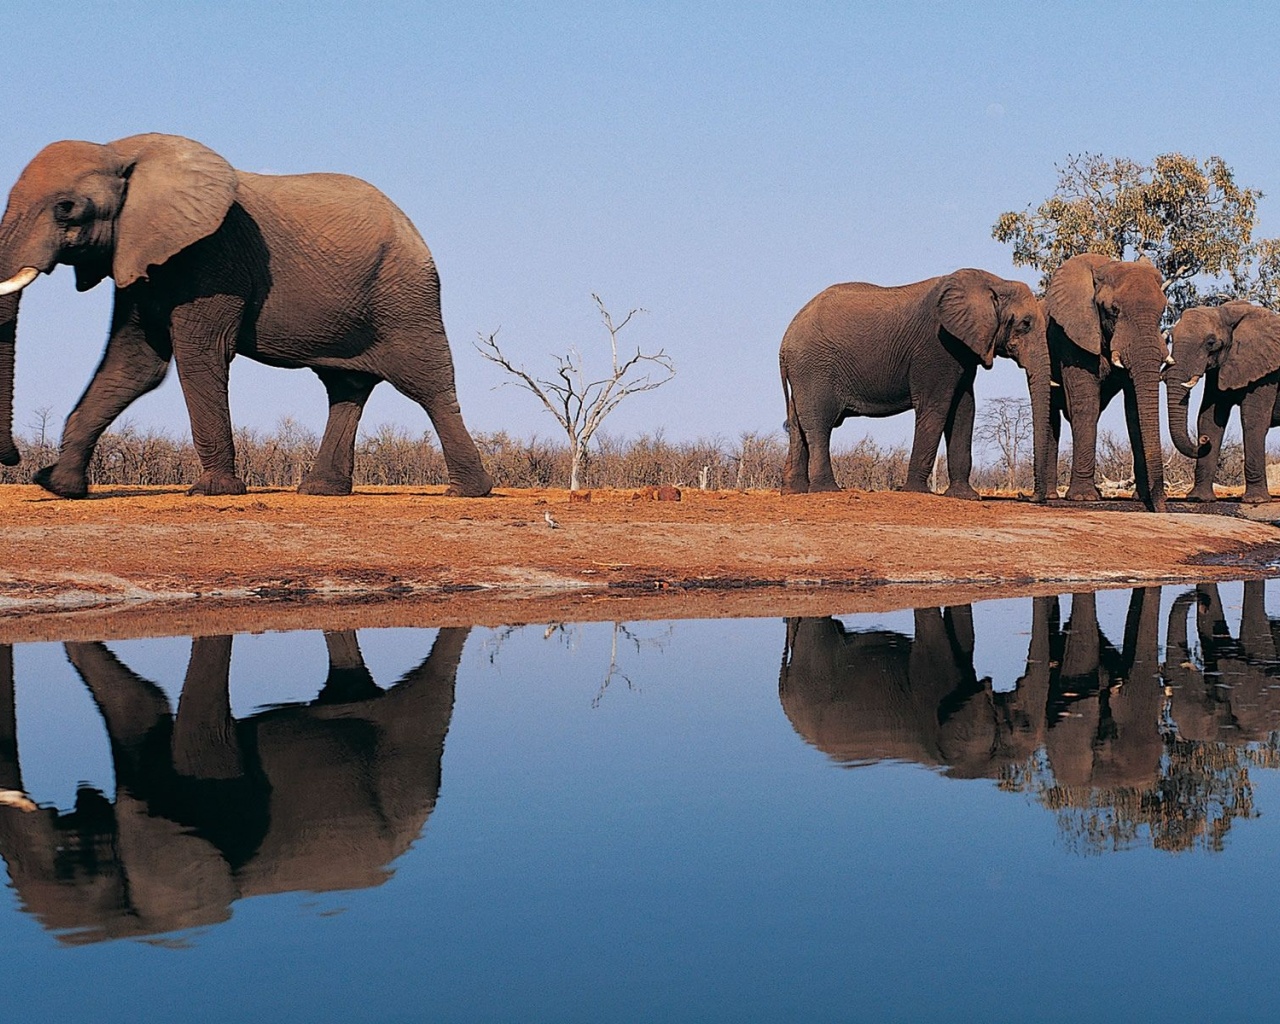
(1051, 809)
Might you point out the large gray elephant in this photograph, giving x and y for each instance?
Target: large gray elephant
(307, 270)
(209, 809)
(864, 350)
(1236, 348)
(1104, 337)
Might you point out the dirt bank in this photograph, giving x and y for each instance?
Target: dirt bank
(146, 561)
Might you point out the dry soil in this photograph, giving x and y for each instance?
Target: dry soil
(145, 561)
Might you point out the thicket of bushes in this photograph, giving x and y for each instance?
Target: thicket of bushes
(391, 455)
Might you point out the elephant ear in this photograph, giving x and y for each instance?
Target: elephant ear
(967, 309)
(178, 193)
(1071, 300)
(1254, 351)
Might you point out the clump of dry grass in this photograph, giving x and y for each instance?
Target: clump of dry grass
(391, 455)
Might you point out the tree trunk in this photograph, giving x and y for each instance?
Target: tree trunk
(575, 466)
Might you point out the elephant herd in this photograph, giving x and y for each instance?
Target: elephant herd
(323, 271)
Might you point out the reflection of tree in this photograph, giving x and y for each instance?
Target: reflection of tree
(569, 636)
(1116, 744)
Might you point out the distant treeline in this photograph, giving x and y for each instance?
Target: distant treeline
(391, 455)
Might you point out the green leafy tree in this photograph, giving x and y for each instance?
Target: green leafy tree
(1190, 219)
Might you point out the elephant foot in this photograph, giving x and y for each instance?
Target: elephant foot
(64, 483)
(795, 488)
(1083, 492)
(1201, 494)
(827, 486)
(218, 483)
(325, 485)
(479, 487)
(1255, 496)
(962, 491)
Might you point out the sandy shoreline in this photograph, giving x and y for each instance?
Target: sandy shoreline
(151, 561)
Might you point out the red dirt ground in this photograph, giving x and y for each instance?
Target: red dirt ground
(143, 561)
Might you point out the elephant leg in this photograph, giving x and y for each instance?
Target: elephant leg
(1084, 400)
(795, 472)
(10, 773)
(1255, 418)
(204, 333)
(822, 475)
(959, 433)
(1212, 424)
(1141, 485)
(135, 362)
(349, 678)
(335, 461)
(432, 387)
(205, 742)
(930, 421)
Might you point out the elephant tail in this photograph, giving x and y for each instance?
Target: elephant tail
(787, 395)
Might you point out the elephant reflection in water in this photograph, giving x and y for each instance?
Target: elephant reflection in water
(1234, 698)
(210, 809)
(1109, 739)
(874, 695)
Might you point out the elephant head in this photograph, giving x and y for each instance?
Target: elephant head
(1239, 340)
(1111, 310)
(1023, 339)
(115, 210)
(994, 316)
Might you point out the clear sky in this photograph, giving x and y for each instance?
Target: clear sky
(714, 163)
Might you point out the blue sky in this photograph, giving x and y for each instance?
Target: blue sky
(714, 163)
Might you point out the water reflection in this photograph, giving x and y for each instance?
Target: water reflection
(1112, 739)
(209, 808)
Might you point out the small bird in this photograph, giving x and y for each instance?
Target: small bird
(551, 521)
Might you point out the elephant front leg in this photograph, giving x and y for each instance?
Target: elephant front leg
(930, 422)
(135, 362)
(1212, 425)
(1084, 400)
(959, 434)
(204, 333)
(335, 461)
(1255, 418)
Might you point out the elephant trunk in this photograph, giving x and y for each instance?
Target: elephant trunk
(1146, 384)
(1043, 447)
(9, 455)
(1178, 402)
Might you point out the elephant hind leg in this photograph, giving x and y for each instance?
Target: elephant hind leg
(430, 383)
(335, 461)
(795, 471)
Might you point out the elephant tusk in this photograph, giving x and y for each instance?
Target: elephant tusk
(1115, 361)
(1054, 384)
(1168, 362)
(19, 281)
(17, 798)
(1189, 384)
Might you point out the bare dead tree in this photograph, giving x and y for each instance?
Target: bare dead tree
(1005, 424)
(580, 405)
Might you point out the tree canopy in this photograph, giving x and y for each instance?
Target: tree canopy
(1192, 220)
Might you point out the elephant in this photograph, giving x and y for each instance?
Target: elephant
(864, 350)
(1233, 696)
(1104, 337)
(866, 696)
(302, 270)
(209, 809)
(1236, 348)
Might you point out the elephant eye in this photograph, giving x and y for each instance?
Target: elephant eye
(1024, 325)
(63, 209)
